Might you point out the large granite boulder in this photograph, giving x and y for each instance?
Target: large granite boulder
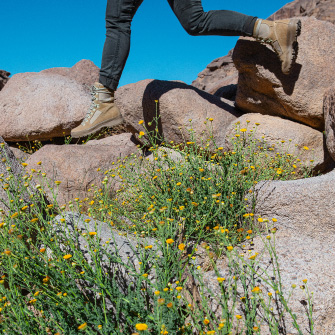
(284, 136)
(4, 77)
(329, 113)
(304, 205)
(305, 213)
(46, 104)
(121, 243)
(85, 72)
(219, 73)
(299, 257)
(263, 88)
(11, 182)
(177, 104)
(321, 9)
(78, 166)
(20, 155)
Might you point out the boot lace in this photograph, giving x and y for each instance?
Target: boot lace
(263, 40)
(93, 106)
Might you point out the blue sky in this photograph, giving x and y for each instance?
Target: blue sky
(39, 34)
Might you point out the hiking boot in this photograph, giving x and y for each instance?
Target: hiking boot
(282, 36)
(102, 113)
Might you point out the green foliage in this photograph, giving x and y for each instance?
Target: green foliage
(30, 147)
(197, 184)
(185, 203)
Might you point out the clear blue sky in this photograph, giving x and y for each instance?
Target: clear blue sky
(40, 34)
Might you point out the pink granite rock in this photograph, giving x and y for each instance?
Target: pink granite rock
(263, 88)
(284, 136)
(11, 181)
(329, 113)
(219, 73)
(321, 9)
(76, 165)
(177, 104)
(46, 104)
(85, 72)
(4, 77)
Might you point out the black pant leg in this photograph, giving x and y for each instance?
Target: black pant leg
(119, 14)
(195, 21)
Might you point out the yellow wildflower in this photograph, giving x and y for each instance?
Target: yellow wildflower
(181, 246)
(161, 301)
(256, 289)
(254, 256)
(83, 326)
(46, 279)
(7, 252)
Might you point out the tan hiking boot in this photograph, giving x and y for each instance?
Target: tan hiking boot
(282, 36)
(102, 113)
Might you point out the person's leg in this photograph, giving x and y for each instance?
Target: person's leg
(196, 22)
(119, 14)
(103, 111)
(281, 35)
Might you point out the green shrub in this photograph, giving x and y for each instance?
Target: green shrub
(172, 210)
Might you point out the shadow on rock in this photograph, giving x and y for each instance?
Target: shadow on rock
(272, 64)
(157, 88)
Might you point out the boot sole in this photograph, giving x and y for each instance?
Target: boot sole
(292, 52)
(97, 127)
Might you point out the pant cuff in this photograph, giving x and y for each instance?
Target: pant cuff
(249, 26)
(109, 82)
